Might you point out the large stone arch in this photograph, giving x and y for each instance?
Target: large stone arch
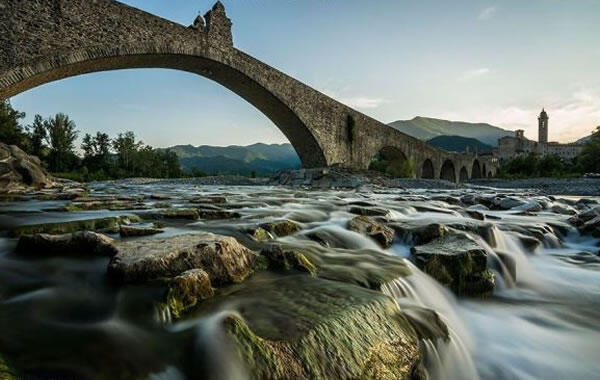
(427, 169)
(476, 170)
(463, 175)
(46, 40)
(448, 171)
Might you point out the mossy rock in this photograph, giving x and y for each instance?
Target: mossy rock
(135, 231)
(418, 233)
(457, 262)
(259, 234)
(59, 228)
(145, 260)
(178, 213)
(379, 232)
(187, 289)
(281, 228)
(367, 268)
(298, 327)
(286, 260)
(6, 372)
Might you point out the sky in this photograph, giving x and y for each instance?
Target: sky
(489, 61)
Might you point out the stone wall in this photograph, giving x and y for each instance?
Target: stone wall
(46, 40)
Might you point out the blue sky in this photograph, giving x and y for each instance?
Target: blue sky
(478, 60)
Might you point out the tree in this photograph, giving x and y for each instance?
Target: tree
(589, 159)
(88, 145)
(103, 144)
(61, 135)
(126, 147)
(37, 135)
(11, 132)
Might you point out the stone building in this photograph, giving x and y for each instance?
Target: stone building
(512, 146)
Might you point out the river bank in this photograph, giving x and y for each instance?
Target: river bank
(554, 186)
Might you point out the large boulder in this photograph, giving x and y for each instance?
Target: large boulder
(82, 244)
(377, 231)
(223, 258)
(457, 262)
(20, 171)
(298, 327)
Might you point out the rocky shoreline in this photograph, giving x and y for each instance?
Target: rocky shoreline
(554, 186)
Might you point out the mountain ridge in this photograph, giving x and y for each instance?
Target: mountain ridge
(426, 128)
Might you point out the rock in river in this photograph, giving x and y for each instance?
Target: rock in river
(82, 244)
(187, 289)
(298, 327)
(18, 170)
(223, 258)
(367, 226)
(457, 262)
(110, 224)
(281, 228)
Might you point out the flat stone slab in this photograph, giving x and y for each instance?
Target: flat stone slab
(223, 258)
(83, 244)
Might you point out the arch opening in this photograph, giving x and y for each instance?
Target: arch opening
(484, 171)
(463, 175)
(145, 57)
(476, 170)
(392, 161)
(490, 175)
(448, 172)
(427, 171)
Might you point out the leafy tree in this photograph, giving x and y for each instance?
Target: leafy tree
(37, 136)
(88, 145)
(589, 159)
(126, 147)
(11, 132)
(61, 135)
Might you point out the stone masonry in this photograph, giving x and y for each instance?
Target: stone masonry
(46, 40)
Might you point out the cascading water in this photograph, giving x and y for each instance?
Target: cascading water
(540, 322)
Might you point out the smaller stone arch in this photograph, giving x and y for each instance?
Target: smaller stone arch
(448, 171)
(393, 161)
(490, 174)
(463, 175)
(476, 170)
(427, 170)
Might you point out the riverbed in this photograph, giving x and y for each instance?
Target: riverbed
(62, 317)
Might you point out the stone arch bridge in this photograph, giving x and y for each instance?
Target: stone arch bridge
(47, 40)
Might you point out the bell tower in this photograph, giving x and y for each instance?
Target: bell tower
(543, 127)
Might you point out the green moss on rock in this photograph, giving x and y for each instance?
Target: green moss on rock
(281, 228)
(298, 327)
(187, 289)
(457, 262)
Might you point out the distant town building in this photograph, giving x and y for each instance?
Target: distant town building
(510, 147)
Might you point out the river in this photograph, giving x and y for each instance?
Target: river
(61, 317)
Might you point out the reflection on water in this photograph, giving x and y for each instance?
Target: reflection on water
(63, 314)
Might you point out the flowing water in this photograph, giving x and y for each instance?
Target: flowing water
(63, 318)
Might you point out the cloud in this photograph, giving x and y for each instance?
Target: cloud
(363, 102)
(475, 73)
(487, 13)
(571, 118)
